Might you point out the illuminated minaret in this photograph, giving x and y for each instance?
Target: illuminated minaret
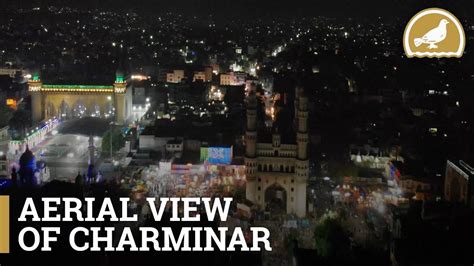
(277, 170)
(302, 161)
(34, 89)
(250, 146)
(120, 89)
(296, 105)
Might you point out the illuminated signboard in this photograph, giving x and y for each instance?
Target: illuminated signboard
(11, 103)
(216, 155)
(139, 77)
(204, 154)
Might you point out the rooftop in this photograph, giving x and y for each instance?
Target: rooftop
(82, 88)
(50, 86)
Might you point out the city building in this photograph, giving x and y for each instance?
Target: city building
(175, 77)
(370, 157)
(199, 76)
(175, 147)
(4, 162)
(204, 75)
(68, 101)
(11, 72)
(4, 171)
(277, 172)
(140, 103)
(233, 78)
(458, 183)
(409, 178)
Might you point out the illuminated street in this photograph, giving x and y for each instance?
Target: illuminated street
(65, 150)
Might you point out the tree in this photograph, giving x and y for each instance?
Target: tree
(339, 170)
(5, 115)
(332, 240)
(115, 137)
(20, 122)
(291, 241)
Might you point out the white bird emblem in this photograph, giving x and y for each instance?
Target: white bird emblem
(433, 36)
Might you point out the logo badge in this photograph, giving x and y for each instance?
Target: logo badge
(434, 32)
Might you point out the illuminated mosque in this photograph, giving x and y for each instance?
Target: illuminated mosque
(67, 101)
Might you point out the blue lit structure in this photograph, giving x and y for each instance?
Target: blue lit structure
(27, 168)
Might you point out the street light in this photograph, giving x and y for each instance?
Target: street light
(111, 138)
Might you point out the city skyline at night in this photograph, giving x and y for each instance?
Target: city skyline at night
(337, 132)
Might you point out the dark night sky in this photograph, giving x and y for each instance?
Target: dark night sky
(277, 8)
